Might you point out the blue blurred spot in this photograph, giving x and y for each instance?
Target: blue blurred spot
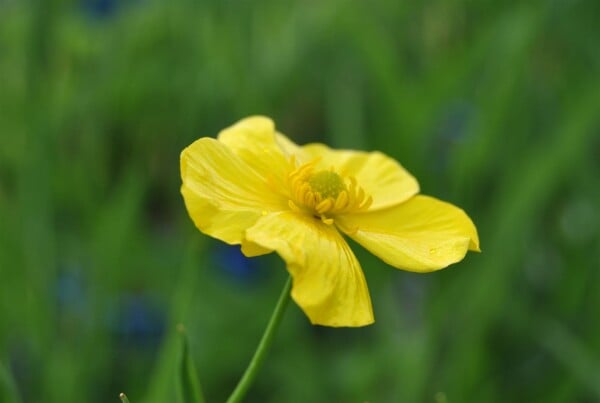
(450, 130)
(70, 294)
(100, 8)
(139, 322)
(232, 262)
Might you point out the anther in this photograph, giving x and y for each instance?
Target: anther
(327, 221)
(324, 193)
(324, 205)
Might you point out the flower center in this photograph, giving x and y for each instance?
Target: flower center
(327, 184)
(324, 193)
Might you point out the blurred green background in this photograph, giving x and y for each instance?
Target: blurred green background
(492, 105)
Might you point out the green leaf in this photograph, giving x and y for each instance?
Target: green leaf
(8, 389)
(190, 386)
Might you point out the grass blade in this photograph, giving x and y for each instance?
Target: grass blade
(190, 386)
(8, 388)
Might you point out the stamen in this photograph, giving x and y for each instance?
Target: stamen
(327, 221)
(352, 231)
(341, 200)
(293, 206)
(367, 203)
(324, 205)
(361, 195)
(324, 193)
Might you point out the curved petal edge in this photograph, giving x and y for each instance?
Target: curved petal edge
(328, 283)
(422, 235)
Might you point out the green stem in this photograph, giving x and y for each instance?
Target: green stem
(261, 351)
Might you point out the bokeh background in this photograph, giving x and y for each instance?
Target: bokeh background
(493, 105)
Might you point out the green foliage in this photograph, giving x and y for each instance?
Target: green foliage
(190, 385)
(8, 389)
(494, 106)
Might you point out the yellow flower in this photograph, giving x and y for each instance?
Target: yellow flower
(252, 186)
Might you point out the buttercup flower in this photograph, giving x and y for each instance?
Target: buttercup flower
(252, 186)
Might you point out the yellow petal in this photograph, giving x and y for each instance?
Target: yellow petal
(255, 141)
(380, 176)
(422, 234)
(287, 146)
(329, 284)
(223, 195)
(250, 249)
